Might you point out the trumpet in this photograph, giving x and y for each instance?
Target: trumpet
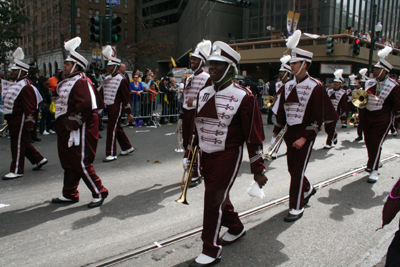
(188, 173)
(353, 119)
(276, 143)
(269, 101)
(179, 133)
(5, 126)
(360, 98)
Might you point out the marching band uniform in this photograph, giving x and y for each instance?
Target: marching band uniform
(285, 70)
(226, 118)
(21, 100)
(338, 98)
(361, 111)
(383, 105)
(117, 97)
(303, 108)
(77, 127)
(193, 84)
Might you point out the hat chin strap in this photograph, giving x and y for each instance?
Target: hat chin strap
(202, 62)
(301, 67)
(226, 72)
(380, 73)
(114, 69)
(19, 73)
(73, 68)
(284, 76)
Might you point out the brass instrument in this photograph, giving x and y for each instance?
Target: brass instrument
(269, 101)
(188, 173)
(179, 133)
(353, 119)
(360, 98)
(278, 140)
(5, 126)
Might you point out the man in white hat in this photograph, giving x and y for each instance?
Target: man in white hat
(193, 84)
(303, 109)
(360, 111)
(77, 126)
(382, 108)
(115, 89)
(227, 116)
(284, 75)
(338, 97)
(21, 100)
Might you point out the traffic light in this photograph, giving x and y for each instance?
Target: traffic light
(356, 47)
(94, 29)
(115, 29)
(329, 46)
(243, 3)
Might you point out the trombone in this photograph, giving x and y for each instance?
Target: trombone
(278, 140)
(188, 173)
(359, 98)
(179, 133)
(269, 101)
(5, 126)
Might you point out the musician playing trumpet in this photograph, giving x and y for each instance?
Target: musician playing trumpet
(227, 116)
(382, 108)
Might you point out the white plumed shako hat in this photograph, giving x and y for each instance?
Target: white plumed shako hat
(383, 63)
(338, 76)
(74, 56)
(223, 52)
(112, 60)
(352, 79)
(362, 72)
(19, 55)
(298, 54)
(285, 60)
(203, 50)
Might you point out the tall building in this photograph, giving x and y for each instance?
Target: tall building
(50, 25)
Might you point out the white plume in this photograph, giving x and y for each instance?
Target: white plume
(352, 77)
(293, 40)
(338, 73)
(205, 46)
(285, 59)
(19, 54)
(363, 71)
(107, 52)
(385, 52)
(72, 44)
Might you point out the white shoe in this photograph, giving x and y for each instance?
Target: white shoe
(40, 164)
(51, 131)
(11, 175)
(126, 152)
(45, 132)
(395, 133)
(327, 147)
(204, 259)
(373, 177)
(228, 238)
(109, 158)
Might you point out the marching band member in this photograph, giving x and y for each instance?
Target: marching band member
(115, 88)
(361, 112)
(382, 107)
(353, 87)
(21, 100)
(284, 75)
(303, 108)
(193, 84)
(338, 98)
(227, 116)
(77, 127)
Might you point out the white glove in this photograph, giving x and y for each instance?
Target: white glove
(272, 140)
(184, 163)
(255, 191)
(74, 138)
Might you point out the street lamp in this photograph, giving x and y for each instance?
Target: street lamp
(378, 29)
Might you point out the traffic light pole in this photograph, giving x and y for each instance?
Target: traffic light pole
(73, 18)
(107, 25)
(371, 50)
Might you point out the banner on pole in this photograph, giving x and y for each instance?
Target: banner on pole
(296, 21)
(289, 21)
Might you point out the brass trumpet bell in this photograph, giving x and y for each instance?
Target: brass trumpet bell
(5, 126)
(353, 119)
(359, 98)
(269, 101)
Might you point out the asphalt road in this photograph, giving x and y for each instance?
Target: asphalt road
(337, 229)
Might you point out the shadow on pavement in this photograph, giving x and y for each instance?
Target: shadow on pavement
(356, 195)
(140, 202)
(260, 243)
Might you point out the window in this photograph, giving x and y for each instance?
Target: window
(78, 28)
(97, 13)
(126, 18)
(96, 1)
(125, 33)
(78, 12)
(90, 13)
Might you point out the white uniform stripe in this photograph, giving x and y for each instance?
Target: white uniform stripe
(115, 131)
(19, 143)
(216, 234)
(83, 130)
(381, 142)
(300, 194)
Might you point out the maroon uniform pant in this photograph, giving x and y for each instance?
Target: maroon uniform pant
(77, 160)
(220, 170)
(187, 131)
(297, 160)
(20, 146)
(330, 129)
(376, 126)
(115, 132)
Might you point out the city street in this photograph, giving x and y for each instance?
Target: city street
(338, 227)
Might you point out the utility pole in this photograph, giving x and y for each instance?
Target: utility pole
(107, 25)
(371, 50)
(73, 18)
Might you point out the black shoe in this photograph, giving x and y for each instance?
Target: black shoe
(368, 170)
(100, 136)
(95, 204)
(196, 264)
(227, 243)
(36, 139)
(59, 201)
(306, 199)
(291, 218)
(31, 141)
(196, 182)
(358, 139)
(39, 165)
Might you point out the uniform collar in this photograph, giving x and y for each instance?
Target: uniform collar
(302, 79)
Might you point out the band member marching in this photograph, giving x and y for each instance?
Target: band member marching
(284, 75)
(115, 88)
(338, 97)
(382, 107)
(302, 110)
(77, 127)
(227, 116)
(21, 100)
(360, 111)
(193, 84)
